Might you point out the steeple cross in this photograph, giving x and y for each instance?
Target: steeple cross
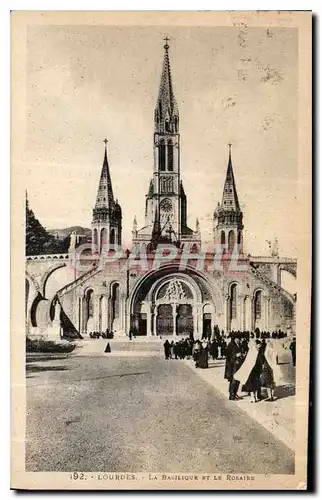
(229, 145)
(105, 142)
(166, 39)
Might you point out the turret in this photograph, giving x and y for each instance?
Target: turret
(228, 218)
(107, 214)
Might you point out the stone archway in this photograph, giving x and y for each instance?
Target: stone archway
(174, 302)
(47, 274)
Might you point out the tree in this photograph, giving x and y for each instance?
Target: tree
(38, 240)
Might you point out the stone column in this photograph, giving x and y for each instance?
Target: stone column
(156, 157)
(243, 312)
(84, 319)
(265, 315)
(227, 312)
(155, 320)
(240, 312)
(174, 316)
(252, 314)
(148, 321)
(197, 320)
(80, 314)
(96, 311)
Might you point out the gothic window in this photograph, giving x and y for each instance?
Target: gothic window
(90, 303)
(239, 238)
(115, 301)
(103, 238)
(112, 236)
(95, 236)
(222, 237)
(233, 301)
(162, 156)
(166, 185)
(258, 305)
(231, 240)
(170, 156)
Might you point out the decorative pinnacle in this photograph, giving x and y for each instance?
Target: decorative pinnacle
(229, 145)
(105, 142)
(166, 46)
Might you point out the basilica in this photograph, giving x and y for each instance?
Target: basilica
(167, 283)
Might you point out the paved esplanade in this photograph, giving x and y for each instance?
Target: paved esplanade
(139, 414)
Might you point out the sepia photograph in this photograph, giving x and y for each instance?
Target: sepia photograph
(161, 238)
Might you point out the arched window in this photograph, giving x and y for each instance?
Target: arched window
(104, 241)
(162, 156)
(233, 301)
(258, 304)
(239, 238)
(112, 236)
(95, 236)
(115, 301)
(90, 304)
(170, 156)
(222, 238)
(231, 240)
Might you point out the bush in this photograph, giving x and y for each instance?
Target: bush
(48, 346)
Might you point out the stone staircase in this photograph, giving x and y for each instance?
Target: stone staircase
(275, 288)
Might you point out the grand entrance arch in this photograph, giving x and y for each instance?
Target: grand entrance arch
(169, 302)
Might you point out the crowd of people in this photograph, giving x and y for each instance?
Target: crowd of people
(251, 361)
(101, 335)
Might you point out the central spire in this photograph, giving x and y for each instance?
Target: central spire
(166, 110)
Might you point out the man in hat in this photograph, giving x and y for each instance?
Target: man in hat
(233, 361)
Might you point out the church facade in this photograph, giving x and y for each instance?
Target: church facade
(168, 283)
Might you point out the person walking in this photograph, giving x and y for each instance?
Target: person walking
(271, 375)
(167, 349)
(293, 351)
(233, 355)
(249, 374)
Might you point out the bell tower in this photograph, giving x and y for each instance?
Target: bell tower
(166, 201)
(107, 214)
(228, 218)
(166, 176)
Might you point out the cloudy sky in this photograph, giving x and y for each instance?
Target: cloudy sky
(85, 83)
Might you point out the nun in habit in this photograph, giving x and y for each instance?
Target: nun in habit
(249, 374)
(271, 375)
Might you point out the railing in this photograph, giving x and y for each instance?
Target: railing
(270, 259)
(78, 281)
(59, 256)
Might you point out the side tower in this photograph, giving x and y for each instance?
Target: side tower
(166, 203)
(228, 218)
(107, 214)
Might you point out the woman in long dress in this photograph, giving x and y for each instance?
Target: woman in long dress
(249, 373)
(271, 375)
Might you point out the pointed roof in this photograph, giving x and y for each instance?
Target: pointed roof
(230, 197)
(151, 189)
(105, 197)
(166, 108)
(156, 230)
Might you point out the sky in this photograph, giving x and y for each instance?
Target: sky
(232, 84)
